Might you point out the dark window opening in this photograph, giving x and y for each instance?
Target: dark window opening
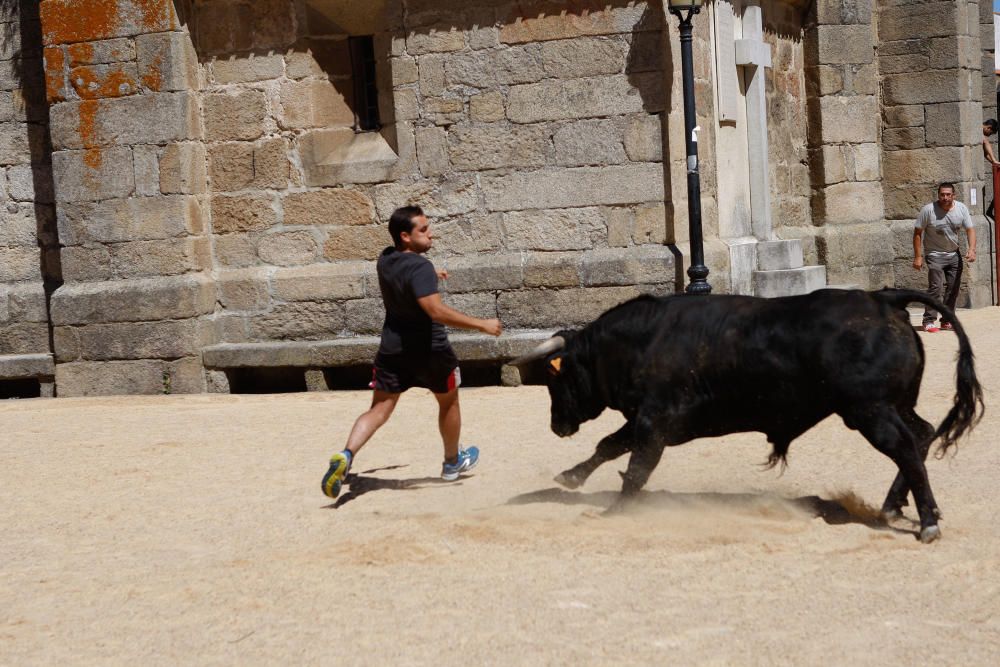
(474, 374)
(290, 379)
(26, 388)
(534, 374)
(266, 380)
(348, 377)
(480, 373)
(365, 89)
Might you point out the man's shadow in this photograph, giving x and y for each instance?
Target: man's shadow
(361, 483)
(834, 513)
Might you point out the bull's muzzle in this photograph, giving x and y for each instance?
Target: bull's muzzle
(564, 430)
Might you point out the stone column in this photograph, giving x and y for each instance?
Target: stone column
(842, 102)
(929, 57)
(28, 260)
(129, 172)
(989, 85)
(989, 88)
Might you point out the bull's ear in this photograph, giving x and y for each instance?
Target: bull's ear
(555, 365)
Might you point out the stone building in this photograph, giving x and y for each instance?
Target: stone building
(193, 191)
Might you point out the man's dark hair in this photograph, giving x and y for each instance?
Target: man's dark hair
(946, 184)
(992, 124)
(402, 221)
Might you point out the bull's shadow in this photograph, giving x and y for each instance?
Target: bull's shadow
(834, 513)
(361, 483)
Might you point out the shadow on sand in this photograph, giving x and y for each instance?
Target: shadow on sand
(361, 483)
(832, 512)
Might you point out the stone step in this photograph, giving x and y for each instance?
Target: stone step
(359, 350)
(22, 366)
(778, 255)
(789, 282)
(313, 356)
(30, 367)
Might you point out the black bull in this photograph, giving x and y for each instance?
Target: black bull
(685, 367)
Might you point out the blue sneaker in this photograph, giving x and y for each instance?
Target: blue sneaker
(334, 477)
(467, 460)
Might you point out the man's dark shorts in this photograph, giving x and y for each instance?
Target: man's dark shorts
(395, 373)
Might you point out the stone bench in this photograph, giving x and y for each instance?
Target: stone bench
(315, 356)
(39, 367)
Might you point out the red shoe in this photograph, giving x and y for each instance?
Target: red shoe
(946, 326)
(931, 327)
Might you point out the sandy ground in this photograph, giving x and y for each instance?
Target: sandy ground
(191, 530)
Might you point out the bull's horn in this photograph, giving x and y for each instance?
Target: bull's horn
(553, 344)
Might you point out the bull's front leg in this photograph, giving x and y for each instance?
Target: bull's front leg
(645, 457)
(609, 448)
(640, 466)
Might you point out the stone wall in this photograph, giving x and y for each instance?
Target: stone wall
(929, 58)
(787, 125)
(853, 241)
(122, 82)
(28, 254)
(989, 92)
(211, 186)
(531, 137)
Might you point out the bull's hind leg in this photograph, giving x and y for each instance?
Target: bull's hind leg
(887, 432)
(609, 448)
(923, 433)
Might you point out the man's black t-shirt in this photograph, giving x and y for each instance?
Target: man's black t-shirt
(403, 278)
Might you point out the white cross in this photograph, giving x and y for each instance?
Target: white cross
(754, 54)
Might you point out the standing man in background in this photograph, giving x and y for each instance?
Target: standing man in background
(990, 126)
(989, 129)
(935, 242)
(414, 351)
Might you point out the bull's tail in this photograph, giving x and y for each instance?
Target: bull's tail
(967, 409)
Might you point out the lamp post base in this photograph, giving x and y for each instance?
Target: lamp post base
(699, 280)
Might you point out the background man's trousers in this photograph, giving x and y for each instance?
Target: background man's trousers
(944, 279)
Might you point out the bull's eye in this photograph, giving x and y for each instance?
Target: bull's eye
(555, 365)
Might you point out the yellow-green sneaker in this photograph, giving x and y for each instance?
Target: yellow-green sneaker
(334, 477)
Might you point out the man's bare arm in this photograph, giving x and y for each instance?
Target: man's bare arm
(918, 257)
(971, 255)
(988, 150)
(443, 314)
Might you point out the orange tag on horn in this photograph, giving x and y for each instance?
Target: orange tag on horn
(556, 364)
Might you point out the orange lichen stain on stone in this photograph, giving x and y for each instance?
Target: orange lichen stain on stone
(65, 21)
(153, 79)
(92, 157)
(156, 15)
(55, 76)
(100, 82)
(88, 133)
(80, 54)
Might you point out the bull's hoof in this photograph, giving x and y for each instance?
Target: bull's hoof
(890, 514)
(568, 480)
(616, 509)
(929, 534)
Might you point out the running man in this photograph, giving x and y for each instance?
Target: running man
(414, 351)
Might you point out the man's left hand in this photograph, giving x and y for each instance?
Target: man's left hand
(970, 257)
(442, 273)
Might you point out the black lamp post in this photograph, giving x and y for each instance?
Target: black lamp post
(697, 272)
